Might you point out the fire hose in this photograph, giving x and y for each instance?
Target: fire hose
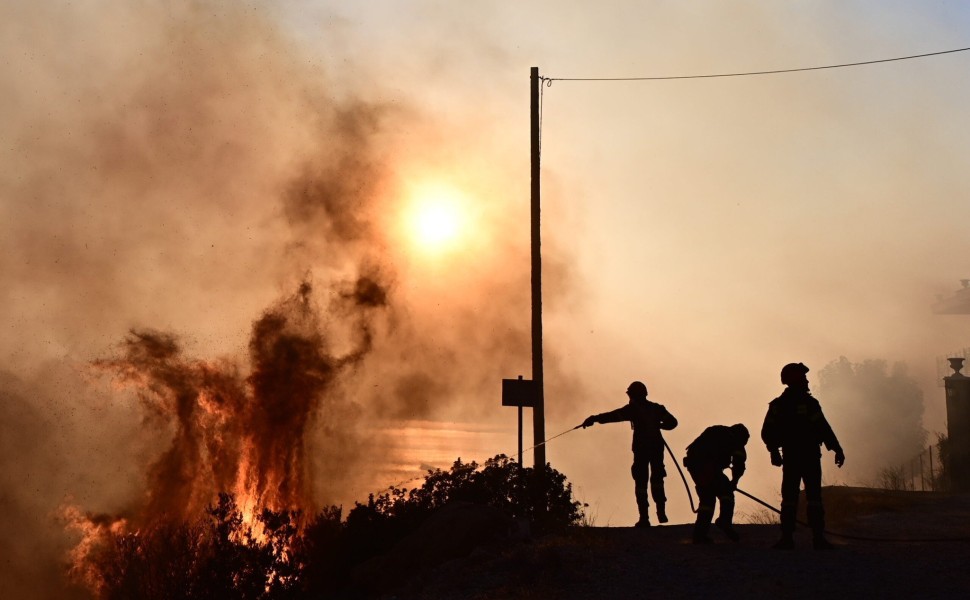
(754, 498)
(802, 523)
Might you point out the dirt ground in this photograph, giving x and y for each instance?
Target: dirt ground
(660, 562)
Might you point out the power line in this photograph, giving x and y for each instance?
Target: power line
(549, 80)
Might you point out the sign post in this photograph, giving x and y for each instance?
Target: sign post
(521, 393)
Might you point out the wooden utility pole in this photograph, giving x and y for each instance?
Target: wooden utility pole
(538, 411)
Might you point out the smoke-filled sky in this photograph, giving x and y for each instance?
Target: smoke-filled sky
(182, 169)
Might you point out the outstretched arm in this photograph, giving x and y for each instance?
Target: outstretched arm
(614, 416)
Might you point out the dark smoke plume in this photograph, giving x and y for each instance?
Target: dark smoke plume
(170, 169)
(244, 434)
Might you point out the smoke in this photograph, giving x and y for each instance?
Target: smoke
(881, 404)
(246, 435)
(173, 171)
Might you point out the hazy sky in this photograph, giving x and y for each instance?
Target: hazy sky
(697, 234)
(714, 229)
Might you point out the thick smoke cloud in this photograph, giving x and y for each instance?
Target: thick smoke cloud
(881, 404)
(178, 169)
(172, 171)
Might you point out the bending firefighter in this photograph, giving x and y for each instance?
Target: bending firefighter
(794, 429)
(647, 419)
(718, 448)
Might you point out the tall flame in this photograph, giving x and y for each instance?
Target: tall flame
(244, 435)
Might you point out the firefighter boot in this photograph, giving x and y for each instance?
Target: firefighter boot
(725, 526)
(662, 512)
(787, 542)
(643, 506)
(700, 533)
(703, 522)
(816, 518)
(726, 517)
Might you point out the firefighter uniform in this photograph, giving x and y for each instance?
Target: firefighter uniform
(793, 431)
(647, 419)
(716, 449)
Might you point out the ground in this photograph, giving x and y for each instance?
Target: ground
(660, 562)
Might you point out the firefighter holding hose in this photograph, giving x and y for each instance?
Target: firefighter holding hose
(647, 420)
(716, 449)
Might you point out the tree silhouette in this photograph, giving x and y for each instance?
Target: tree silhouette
(877, 413)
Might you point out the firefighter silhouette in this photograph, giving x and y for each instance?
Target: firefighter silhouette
(647, 419)
(716, 449)
(793, 431)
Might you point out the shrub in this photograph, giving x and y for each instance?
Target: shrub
(218, 556)
(544, 498)
(222, 556)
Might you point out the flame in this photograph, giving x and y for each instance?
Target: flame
(241, 435)
(95, 532)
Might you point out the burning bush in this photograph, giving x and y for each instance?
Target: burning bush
(216, 556)
(223, 555)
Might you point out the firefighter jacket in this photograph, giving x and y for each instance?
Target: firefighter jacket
(720, 448)
(795, 424)
(647, 419)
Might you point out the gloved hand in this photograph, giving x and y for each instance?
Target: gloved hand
(776, 459)
(734, 484)
(589, 422)
(839, 458)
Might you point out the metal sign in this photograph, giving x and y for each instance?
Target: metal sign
(518, 392)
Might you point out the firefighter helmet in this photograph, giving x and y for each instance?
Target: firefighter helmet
(740, 431)
(637, 389)
(793, 372)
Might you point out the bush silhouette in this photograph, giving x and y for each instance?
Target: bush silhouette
(544, 498)
(280, 555)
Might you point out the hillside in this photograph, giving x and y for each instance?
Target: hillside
(660, 562)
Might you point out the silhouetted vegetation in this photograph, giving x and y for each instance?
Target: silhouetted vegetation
(279, 556)
(941, 479)
(922, 472)
(544, 499)
(218, 556)
(893, 478)
(881, 405)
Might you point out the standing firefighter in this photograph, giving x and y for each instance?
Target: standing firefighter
(794, 429)
(718, 448)
(647, 419)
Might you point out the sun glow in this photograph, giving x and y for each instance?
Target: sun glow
(436, 217)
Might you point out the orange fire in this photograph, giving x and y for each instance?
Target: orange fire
(241, 436)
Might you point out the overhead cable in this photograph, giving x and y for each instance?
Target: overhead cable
(549, 80)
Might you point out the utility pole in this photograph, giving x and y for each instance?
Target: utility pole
(538, 411)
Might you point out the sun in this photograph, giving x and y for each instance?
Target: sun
(436, 217)
(436, 223)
